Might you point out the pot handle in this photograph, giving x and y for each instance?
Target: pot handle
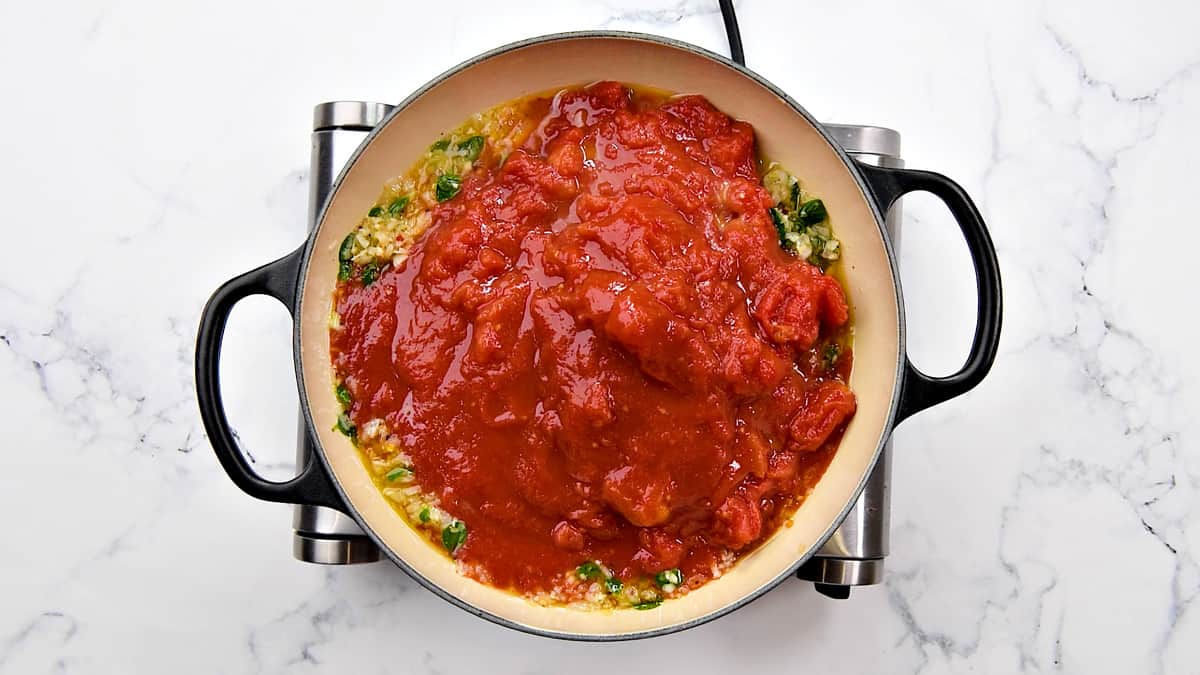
(279, 280)
(920, 391)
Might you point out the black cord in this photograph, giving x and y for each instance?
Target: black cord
(732, 32)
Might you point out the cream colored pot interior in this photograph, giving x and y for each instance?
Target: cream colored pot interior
(783, 135)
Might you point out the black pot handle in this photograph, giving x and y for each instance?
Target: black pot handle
(278, 280)
(921, 391)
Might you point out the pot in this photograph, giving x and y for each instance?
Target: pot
(888, 387)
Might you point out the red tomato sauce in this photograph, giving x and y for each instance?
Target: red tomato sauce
(599, 351)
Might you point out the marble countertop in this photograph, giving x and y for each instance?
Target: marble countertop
(1047, 521)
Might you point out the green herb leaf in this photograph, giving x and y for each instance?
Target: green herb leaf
(346, 250)
(589, 570)
(347, 427)
(613, 585)
(794, 196)
(453, 535)
(649, 604)
(672, 577)
(440, 144)
(398, 473)
(397, 206)
(448, 185)
(781, 224)
(830, 355)
(812, 212)
(472, 146)
(343, 394)
(375, 211)
(345, 270)
(370, 273)
(423, 516)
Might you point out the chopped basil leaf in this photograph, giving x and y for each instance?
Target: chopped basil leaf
(441, 144)
(370, 273)
(448, 185)
(346, 250)
(453, 535)
(423, 516)
(343, 394)
(345, 270)
(649, 604)
(781, 224)
(830, 355)
(811, 212)
(613, 585)
(472, 146)
(347, 427)
(799, 223)
(375, 212)
(398, 473)
(589, 570)
(397, 206)
(672, 577)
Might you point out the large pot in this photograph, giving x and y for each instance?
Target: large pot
(888, 388)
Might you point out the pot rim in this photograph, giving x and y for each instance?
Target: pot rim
(872, 204)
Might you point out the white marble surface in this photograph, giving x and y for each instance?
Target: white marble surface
(1047, 521)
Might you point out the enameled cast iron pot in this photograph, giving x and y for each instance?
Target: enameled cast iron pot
(888, 388)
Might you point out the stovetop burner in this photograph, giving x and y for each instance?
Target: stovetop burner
(853, 555)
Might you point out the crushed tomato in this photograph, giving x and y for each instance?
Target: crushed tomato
(599, 351)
